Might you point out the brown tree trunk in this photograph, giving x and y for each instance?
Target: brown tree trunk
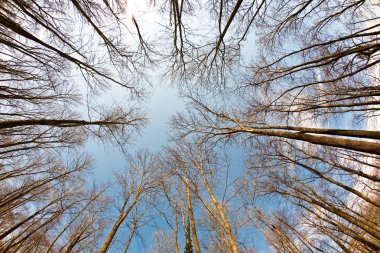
(350, 144)
(191, 213)
(53, 123)
(348, 133)
(116, 226)
(224, 218)
(176, 246)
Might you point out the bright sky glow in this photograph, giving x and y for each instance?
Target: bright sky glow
(131, 8)
(136, 9)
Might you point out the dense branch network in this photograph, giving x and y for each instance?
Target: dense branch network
(293, 85)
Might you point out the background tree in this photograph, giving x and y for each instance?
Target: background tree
(200, 170)
(51, 53)
(309, 75)
(311, 181)
(34, 211)
(189, 244)
(137, 185)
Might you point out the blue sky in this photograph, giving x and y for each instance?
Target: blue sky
(162, 104)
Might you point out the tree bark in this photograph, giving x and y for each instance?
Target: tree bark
(224, 218)
(349, 144)
(191, 213)
(116, 226)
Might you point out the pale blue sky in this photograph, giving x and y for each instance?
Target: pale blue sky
(162, 104)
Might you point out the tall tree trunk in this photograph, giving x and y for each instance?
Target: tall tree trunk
(116, 226)
(350, 144)
(226, 223)
(176, 246)
(342, 132)
(190, 212)
(130, 237)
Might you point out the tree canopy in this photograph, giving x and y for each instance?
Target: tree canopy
(277, 150)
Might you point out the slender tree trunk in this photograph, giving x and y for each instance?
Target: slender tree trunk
(67, 226)
(54, 123)
(226, 223)
(368, 228)
(176, 246)
(130, 237)
(116, 226)
(333, 181)
(191, 216)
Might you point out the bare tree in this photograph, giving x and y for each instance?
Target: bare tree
(50, 52)
(35, 202)
(136, 183)
(194, 165)
(319, 187)
(315, 62)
